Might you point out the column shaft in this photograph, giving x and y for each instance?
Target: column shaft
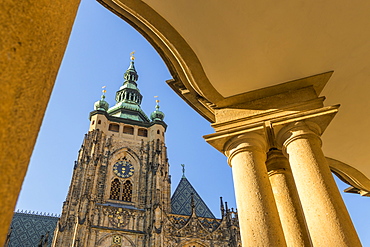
(287, 200)
(258, 217)
(327, 218)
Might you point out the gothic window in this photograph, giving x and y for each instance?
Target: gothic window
(114, 127)
(127, 191)
(142, 132)
(115, 189)
(128, 130)
(158, 132)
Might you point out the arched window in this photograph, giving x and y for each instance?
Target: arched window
(142, 132)
(93, 122)
(158, 132)
(128, 130)
(114, 127)
(115, 189)
(99, 121)
(127, 191)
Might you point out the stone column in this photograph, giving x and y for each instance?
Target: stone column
(258, 216)
(327, 218)
(33, 38)
(287, 200)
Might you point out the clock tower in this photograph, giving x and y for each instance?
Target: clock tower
(120, 188)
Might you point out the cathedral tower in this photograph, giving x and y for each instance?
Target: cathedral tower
(120, 188)
(120, 193)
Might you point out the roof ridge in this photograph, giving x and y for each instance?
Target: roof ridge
(30, 212)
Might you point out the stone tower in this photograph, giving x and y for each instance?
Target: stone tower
(120, 193)
(120, 186)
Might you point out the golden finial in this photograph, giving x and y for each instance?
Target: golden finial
(132, 55)
(157, 100)
(104, 91)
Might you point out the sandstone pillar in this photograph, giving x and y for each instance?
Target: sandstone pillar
(327, 218)
(287, 200)
(258, 216)
(33, 38)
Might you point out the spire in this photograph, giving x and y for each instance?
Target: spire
(157, 115)
(222, 207)
(131, 75)
(128, 97)
(102, 105)
(128, 92)
(192, 204)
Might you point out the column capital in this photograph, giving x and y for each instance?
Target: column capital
(245, 142)
(298, 130)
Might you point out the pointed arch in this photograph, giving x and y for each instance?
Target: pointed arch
(126, 150)
(127, 191)
(115, 189)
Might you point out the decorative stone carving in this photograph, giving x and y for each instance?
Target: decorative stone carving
(118, 217)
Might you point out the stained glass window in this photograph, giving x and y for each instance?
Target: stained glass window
(127, 191)
(115, 189)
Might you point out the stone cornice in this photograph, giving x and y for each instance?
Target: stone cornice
(321, 116)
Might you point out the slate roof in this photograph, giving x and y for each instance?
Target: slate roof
(28, 228)
(181, 201)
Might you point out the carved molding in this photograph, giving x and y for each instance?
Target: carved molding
(351, 176)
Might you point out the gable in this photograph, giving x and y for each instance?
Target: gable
(181, 201)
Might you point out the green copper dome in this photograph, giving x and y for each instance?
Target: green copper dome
(101, 105)
(157, 115)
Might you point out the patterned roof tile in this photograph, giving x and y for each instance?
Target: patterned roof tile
(181, 201)
(28, 228)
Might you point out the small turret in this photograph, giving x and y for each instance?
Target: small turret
(102, 105)
(157, 115)
(192, 204)
(222, 208)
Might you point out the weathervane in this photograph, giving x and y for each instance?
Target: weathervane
(157, 102)
(183, 170)
(132, 57)
(104, 91)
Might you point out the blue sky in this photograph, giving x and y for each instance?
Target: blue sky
(97, 55)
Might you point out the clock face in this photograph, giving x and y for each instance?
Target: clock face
(123, 169)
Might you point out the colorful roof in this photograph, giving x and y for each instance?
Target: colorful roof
(181, 201)
(27, 229)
